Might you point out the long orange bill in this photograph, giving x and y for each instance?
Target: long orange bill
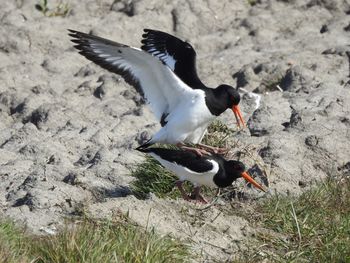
(246, 176)
(238, 116)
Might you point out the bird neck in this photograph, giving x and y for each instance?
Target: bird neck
(190, 77)
(216, 101)
(222, 178)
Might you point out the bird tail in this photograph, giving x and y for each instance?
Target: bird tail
(143, 147)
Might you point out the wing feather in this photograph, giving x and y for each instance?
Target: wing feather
(178, 55)
(150, 77)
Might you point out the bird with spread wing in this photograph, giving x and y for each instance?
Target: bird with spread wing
(164, 72)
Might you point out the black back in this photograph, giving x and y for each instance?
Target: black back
(187, 159)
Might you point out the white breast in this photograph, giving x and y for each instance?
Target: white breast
(187, 122)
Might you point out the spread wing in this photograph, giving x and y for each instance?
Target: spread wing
(155, 81)
(178, 55)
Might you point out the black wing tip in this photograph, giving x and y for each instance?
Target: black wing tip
(147, 30)
(78, 34)
(77, 37)
(74, 33)
(151, 32)
(147, 33)
(145, 147)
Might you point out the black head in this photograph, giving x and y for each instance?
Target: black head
(231, 98)
(231, 95)
(236, 169)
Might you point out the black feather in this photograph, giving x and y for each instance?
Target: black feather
(83, 44)
(161, 45)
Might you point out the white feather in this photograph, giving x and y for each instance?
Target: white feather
(162, 88)
(170, 61)
(187, 122)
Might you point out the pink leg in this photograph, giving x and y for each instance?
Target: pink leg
(198, 195)
(212, 149)
(182, 190)
(199, 152)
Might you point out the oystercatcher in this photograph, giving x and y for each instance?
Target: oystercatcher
(209, 170)
(164, 72)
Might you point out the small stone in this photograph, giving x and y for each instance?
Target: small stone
(99, 92)
(311, 140)
(70, 179)
(51, 160)
(301, 184)
(26, 200)
(85, 71)
(127, 7)
(256, 172)
(254, 124)
(324, 29)
(143, 137)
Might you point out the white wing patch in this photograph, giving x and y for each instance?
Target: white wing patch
(161, 87)
(170, 61)
(163, 56)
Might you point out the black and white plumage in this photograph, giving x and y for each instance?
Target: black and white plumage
(209, 170)
(164, 73)
(178, 55)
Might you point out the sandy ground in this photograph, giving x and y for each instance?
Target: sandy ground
(68, 128)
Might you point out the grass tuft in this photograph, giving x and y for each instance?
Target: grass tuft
(91, 241)
(151, 176)
(314, 227)
(61, 9)
(252, 2)
(13, 243)
(218, 134)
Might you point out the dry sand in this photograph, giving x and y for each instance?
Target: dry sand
(68, 127)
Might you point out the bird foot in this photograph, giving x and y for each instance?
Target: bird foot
(198, 151)
(196, 195)
(218, 150)
(198, 199)
(215, 150)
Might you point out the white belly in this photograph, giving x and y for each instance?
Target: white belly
(187, 122)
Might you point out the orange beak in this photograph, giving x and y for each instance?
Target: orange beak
(238, 116)
(246, 176)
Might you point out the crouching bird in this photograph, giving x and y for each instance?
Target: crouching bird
(209, 170)
(164, 72)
